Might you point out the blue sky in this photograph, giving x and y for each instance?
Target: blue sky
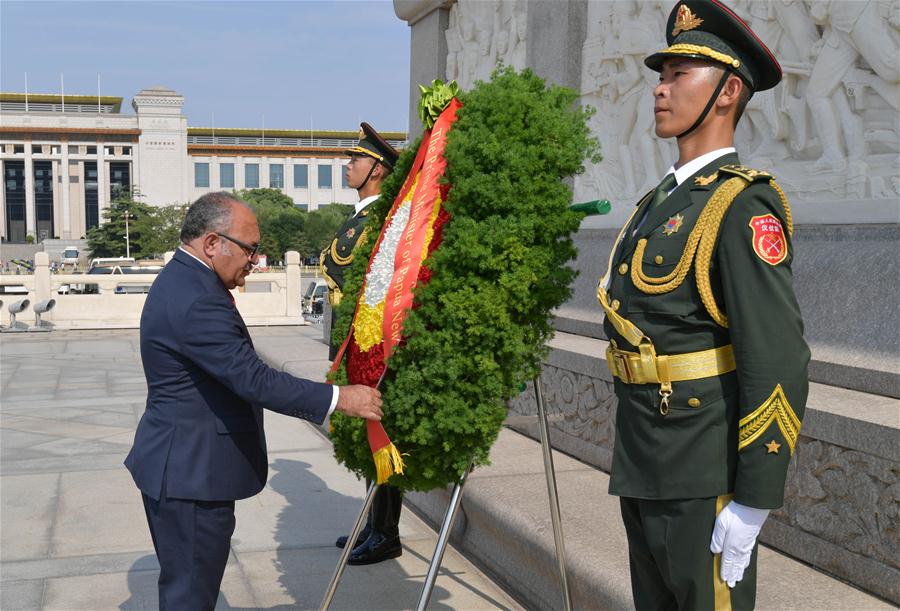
(332, 63)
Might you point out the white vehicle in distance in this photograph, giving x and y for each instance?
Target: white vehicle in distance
(313, 301)
(124, 287)
(69, 256)
(111, 261)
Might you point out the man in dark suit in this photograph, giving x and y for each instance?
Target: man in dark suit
(200, 444)
(371, 161)
(706, 338)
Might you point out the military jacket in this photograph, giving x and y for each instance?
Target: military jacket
(729, 433)
(339, 254)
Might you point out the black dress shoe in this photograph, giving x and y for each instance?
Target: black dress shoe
(363, 535)
(376, 548)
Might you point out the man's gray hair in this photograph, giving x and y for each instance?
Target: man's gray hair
(210, 213)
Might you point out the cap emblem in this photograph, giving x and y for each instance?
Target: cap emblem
(362, 134)
(685, 20)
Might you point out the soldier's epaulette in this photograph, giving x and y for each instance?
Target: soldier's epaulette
(746, 173)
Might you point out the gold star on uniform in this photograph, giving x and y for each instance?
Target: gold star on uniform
(773, 447)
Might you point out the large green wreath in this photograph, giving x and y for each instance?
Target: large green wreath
(479, 327)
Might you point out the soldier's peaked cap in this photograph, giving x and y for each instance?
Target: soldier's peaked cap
(707, 29)
(373, 145)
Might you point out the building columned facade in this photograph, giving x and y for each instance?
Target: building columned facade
(65, 157)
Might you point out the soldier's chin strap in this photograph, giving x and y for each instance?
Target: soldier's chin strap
(725, 74)
(369, 175)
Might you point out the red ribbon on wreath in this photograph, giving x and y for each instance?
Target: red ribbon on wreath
(377, 328)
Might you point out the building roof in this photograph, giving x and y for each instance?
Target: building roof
(286, 133)
(113, 103)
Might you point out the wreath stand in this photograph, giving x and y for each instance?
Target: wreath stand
(450, 518)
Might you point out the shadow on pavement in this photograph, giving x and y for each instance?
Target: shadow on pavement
(306, 573)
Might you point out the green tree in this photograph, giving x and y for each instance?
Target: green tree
(161, 229)
(283, 226)
(324, 222)
(281, 223)
(108, 239)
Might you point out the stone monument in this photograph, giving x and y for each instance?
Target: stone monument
(830, 133)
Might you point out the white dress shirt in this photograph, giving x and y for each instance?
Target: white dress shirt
(695, 165)
(361, 204)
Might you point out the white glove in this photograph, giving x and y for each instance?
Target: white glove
(737, 527)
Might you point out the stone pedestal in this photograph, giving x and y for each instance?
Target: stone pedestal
(830, 133)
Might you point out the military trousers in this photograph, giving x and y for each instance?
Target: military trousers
(671, 565)
(384, 515)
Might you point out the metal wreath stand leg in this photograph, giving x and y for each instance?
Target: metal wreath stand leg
(345, 554)
(456, 497)
(450, 518)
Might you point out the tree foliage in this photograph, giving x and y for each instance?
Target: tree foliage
(478, 328)
(152, 230)
(284, 227)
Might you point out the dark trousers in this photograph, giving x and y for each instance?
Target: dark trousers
(384, 516)
(671, 565)
(192, 540)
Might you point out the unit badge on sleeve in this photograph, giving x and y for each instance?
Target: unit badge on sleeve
(768, 239)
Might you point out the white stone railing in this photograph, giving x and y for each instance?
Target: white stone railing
(269, 298)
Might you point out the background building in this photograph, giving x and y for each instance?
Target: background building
(64, 157)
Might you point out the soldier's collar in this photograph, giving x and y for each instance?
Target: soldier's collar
(361, 205)
(695, 165)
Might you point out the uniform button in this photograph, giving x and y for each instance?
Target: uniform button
(623, 269)
(615, 304)
(658, 259)
(694, 402)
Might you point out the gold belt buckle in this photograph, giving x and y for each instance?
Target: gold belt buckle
(624, 369)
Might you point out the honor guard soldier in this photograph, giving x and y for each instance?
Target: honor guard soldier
(706, 345)
(371, 160)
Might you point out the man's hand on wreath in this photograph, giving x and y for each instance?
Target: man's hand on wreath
(734, 536)
(360, 401)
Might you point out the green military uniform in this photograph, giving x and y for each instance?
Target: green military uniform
(380, 540)
(335, 259)
(708, 357)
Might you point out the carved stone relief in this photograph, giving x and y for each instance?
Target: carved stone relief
(584, 406)
(846, 497)
(481, 36)
(828, 131)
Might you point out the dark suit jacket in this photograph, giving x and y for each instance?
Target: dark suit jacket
(201, 436)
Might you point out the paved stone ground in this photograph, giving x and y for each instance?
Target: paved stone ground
(72, 528)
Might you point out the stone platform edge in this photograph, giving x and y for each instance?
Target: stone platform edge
(839, 496)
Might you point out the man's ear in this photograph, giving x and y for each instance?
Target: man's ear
(731, 92)
(209, 243)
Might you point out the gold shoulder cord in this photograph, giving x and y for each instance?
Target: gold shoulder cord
(785, 205)
(342, 261)
(701, 243)
(699, 247)
(626, 328)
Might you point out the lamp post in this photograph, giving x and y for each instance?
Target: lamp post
(127, 216)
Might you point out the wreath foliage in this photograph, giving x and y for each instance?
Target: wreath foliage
(479, 326)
